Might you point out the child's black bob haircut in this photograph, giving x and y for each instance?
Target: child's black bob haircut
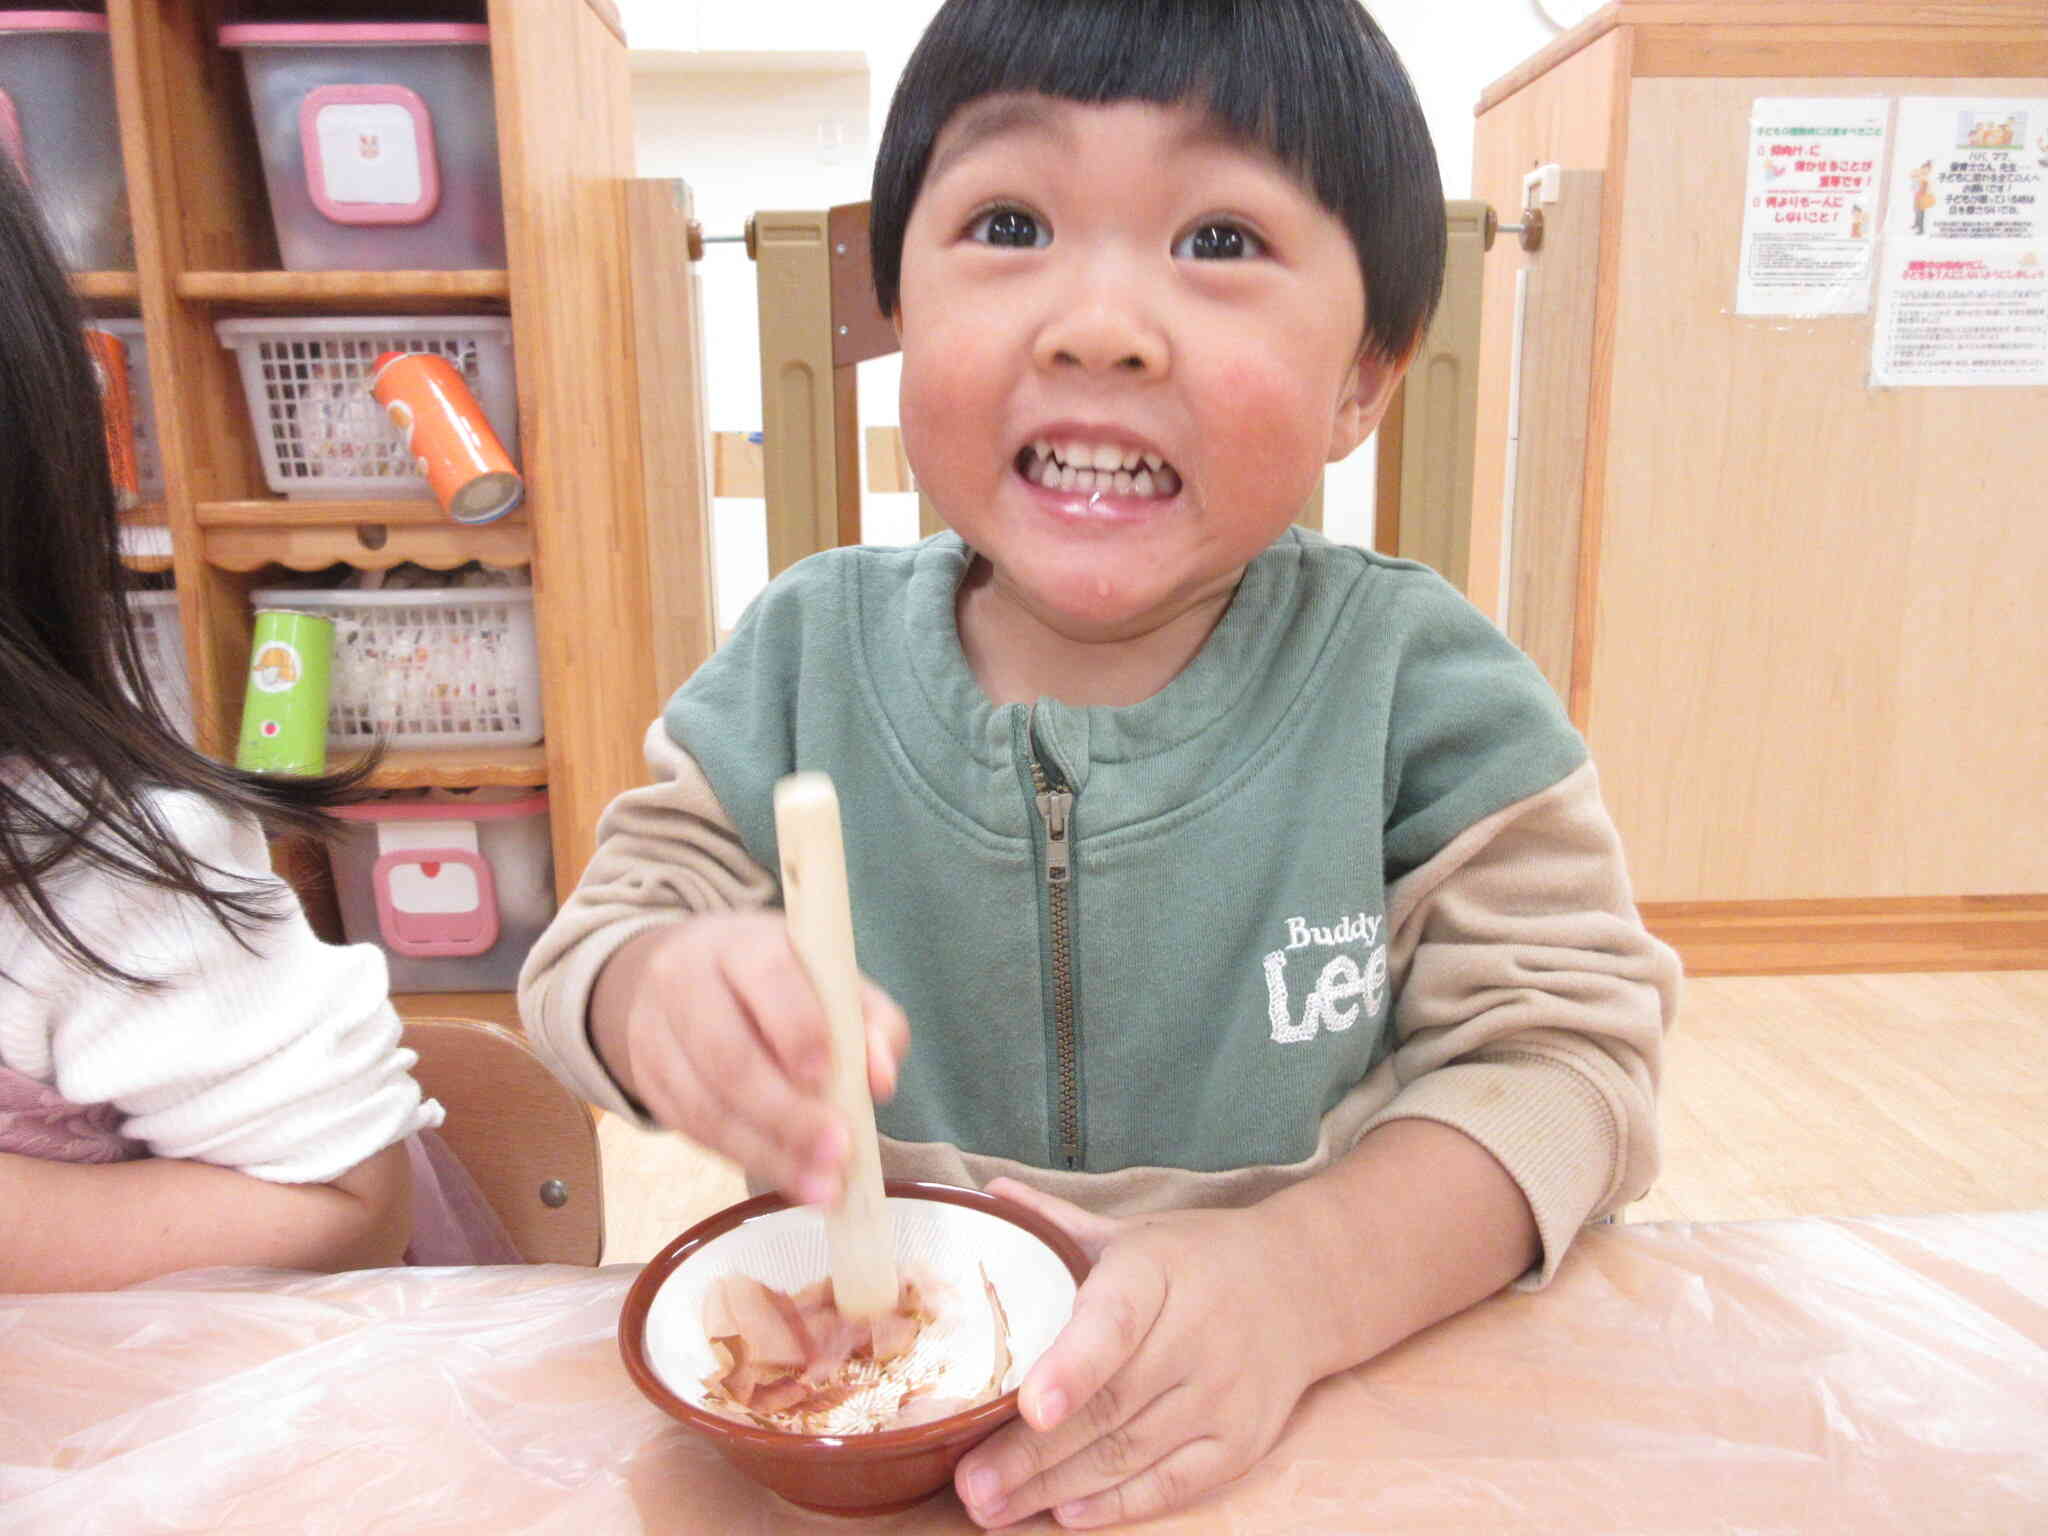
(1313, 82)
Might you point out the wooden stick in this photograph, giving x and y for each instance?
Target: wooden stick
(858, 1234)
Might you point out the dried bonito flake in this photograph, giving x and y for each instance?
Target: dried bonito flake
(790, 1361)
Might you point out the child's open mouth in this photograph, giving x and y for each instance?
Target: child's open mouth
(1098, 467)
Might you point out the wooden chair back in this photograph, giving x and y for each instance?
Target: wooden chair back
(527, 1140)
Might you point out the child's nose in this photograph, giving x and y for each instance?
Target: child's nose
(1104, 327)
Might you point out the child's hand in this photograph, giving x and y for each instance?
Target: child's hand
(714, 1026)
(1184, 1357)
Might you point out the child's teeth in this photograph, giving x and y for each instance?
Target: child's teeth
(1099, 468)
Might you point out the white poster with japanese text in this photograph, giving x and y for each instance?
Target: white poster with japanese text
(1963, 289)
(1809, 224)
(1970, 169)
(1957, 312)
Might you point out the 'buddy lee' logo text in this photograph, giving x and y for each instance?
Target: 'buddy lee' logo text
(1340, 992)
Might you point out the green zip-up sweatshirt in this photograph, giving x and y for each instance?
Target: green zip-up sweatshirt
(1203, 974)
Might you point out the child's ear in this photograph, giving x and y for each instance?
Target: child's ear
(1368, 391)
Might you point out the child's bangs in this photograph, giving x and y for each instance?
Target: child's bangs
(1218, 57)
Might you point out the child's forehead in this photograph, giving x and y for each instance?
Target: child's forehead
(1008, 115)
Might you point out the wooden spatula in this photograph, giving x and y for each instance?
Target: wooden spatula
(858, 1235)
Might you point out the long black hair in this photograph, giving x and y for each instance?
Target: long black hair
(1314, 82)
(81, 732)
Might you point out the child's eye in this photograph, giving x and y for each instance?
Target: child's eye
(1219, 240)
(1010, 227)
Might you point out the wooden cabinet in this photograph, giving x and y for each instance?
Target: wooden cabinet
(612, 527)
(1798, 618)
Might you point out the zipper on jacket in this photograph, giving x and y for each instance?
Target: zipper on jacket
(1055, 808)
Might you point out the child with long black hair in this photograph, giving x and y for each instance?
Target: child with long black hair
(188, 1075)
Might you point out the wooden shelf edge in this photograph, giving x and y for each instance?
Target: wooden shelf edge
(278, 512)
(1793, 938)
(330, 287)
(460, 768)
(107, 285)
(369, 546)
(491, 1007)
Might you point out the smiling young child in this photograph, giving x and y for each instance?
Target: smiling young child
(1251, 895)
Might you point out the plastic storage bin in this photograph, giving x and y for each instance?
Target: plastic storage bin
(454, 887)
(57, 119)
(379, 142)
(149, 460)
(445, 666)
(307, 382)
(154, 618)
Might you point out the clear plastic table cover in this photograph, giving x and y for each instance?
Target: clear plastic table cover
(1810, 1376)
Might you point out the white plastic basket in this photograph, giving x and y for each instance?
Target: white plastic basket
(160, 639)
(149, 462)
(307, 382)
(449, 667)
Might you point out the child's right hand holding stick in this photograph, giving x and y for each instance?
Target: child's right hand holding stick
(713, 1026)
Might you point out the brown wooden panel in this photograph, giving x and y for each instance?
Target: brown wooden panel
(674, 442)
(1550, 563)
(565, 137)
(1833, 52)
(1684, 30)
(860, 330)
(1568, 118)
(1817, 670)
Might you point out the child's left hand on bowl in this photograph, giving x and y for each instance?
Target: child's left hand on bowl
(1185, 1355)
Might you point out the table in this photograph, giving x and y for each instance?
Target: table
(1809, 1376)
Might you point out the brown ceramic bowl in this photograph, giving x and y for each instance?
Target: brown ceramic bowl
(1033, 1266)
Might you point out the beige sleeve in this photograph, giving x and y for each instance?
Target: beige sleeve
(1532, 1006)
(664, 851)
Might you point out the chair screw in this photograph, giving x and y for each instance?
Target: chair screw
(554, 1194)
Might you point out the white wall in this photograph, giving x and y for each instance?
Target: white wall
(800, 133)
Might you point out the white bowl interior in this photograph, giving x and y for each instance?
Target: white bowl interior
(947, 1248)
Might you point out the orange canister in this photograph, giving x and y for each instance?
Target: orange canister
(117, 412)
(448, 435)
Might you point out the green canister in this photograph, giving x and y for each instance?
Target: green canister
(284, 711)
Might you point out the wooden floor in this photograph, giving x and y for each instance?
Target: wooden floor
(1825, 1095)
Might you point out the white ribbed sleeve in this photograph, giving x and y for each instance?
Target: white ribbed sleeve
(280, 1059)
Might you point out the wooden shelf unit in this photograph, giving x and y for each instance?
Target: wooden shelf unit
(205, 248)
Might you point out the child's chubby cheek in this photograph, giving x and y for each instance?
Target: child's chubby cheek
(1261, 421)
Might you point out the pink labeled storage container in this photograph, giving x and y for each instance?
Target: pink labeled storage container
(454, 886)
(379, 140)
(58, 123)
